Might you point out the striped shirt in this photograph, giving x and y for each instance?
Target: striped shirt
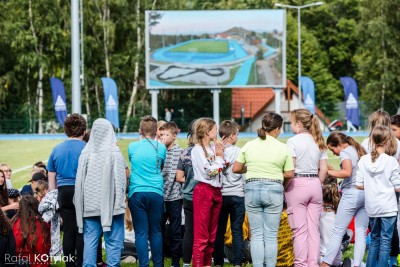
(172, 189)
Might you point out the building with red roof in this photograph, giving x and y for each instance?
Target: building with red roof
(256, 101)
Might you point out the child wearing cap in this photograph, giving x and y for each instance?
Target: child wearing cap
(36, 177)
(38, 174)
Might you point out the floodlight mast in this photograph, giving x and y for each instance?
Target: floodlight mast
(299, 38)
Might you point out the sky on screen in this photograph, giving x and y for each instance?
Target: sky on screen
(198, 22)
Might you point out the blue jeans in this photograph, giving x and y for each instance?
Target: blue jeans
(114, 240)
(381, 238)
(147, 210)
(232, 206)
(351, 204)
(174, 214)
(264, 202)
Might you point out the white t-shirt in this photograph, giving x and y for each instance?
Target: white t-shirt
(307, 153)
(367, 146)
(326, 223)
(380, 179)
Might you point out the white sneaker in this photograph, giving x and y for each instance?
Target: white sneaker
(129, 259)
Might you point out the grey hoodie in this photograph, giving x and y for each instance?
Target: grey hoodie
(380, 179)
(101, 178)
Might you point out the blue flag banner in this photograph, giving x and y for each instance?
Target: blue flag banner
(308, 88)
(351, 98)
(111, 98)
(60, 106)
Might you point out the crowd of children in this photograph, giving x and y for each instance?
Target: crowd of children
(270, 203)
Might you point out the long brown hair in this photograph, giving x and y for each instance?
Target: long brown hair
(3, 192)
(5, 227)
(202, 127)
(270, 122)
(28, 214)
(382, 136)
(379, 117)
(382, 118)
(311, 124)
(330, 192)
(337, 138)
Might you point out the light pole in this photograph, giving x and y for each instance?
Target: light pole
(299, 38)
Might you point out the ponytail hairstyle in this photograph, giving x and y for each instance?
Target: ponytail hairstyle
(270, 122)
(330, 192)
(382, 136)
(311, 124)
(128, 219)
(337, 138)
(191, 136)
(202, 127)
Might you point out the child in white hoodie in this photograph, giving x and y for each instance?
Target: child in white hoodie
(378, 175)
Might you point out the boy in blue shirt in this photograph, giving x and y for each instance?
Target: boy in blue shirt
(62, 167)
(146, 204)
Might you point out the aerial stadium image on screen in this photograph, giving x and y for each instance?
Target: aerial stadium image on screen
(215, 49)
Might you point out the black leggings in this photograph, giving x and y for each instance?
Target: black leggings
(187, 242)
(72, 241)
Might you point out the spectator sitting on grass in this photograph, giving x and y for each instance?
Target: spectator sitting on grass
(38, 167)
(4, 205)
(32, 234)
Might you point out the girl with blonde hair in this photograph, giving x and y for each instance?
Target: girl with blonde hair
(208, 161)
(381, 118)
(378, 175)
(7, 172)
(304, 192)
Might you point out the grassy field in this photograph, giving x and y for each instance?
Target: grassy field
(21, 155)
(203, 47)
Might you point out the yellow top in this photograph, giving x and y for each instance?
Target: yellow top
(267, 158)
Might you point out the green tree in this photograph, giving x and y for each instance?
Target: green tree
(377, 57)
(33, 30)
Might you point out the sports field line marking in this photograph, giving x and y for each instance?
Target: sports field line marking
(26, 167)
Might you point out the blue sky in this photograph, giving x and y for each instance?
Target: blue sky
(198, 22)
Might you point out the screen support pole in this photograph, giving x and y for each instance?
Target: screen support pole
(278, 93)
(154, 103)
(216, 93)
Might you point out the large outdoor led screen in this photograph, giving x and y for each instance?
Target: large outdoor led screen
(215, 49)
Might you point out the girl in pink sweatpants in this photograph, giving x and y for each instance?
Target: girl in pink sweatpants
(304, 191)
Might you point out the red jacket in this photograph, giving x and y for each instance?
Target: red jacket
(40, 256)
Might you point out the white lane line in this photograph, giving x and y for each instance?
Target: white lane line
(26, 167)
